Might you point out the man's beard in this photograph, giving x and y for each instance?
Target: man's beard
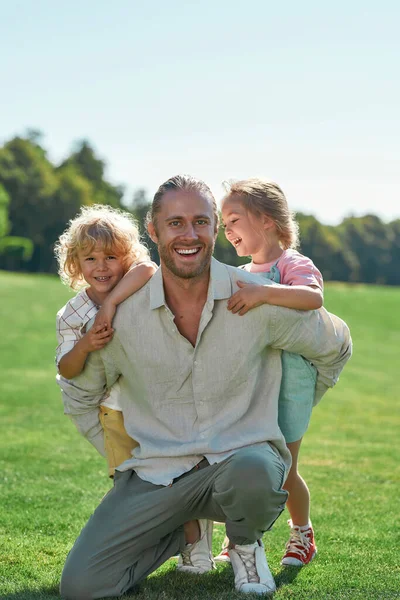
(190, 271)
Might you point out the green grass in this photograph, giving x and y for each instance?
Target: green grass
(51, 479)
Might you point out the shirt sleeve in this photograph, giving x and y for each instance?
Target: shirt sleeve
(297, 269)
(322, 338)
(83, 394)
(67, 336)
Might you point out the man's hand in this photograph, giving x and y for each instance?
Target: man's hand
(96, 338)
(105, 315)
(249, 296)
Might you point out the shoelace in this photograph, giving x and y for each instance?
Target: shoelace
(186, 557)
(187, 561)
(249, 561)
(298, 543)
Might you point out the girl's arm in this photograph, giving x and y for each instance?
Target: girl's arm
(134, 279)
(300, 297)
(72, 363)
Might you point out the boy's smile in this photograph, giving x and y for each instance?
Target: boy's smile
(101, 271)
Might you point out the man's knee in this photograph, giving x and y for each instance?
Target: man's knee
(250, 492)
(256, 471)
(75, 584)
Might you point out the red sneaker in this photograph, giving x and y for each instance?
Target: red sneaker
(223, 556)
(301, 548)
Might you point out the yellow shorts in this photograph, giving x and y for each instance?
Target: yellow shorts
(118, 445)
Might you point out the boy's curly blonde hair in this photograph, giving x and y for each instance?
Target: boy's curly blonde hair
(263, 197)
(114, 230)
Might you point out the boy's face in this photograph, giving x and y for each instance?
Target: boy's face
(101, 272)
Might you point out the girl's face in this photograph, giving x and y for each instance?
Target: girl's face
(244, 231)
(101, 272)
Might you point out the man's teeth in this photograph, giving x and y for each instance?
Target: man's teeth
(187, 250)
(237, 241)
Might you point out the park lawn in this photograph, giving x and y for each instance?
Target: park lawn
(51, 479)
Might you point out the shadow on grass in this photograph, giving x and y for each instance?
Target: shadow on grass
(167, 585)
(171, 585)
(286, 575)
(46, 593)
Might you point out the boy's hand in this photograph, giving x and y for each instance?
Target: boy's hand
(249, 296)
(105, 315)
(96, 338)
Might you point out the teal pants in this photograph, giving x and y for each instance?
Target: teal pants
(138, 525)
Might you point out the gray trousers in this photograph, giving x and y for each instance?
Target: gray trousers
(138, 525)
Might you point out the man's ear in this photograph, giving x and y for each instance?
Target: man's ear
(152, 232)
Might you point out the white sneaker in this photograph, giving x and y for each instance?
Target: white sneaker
(197, 558)
(251, 569)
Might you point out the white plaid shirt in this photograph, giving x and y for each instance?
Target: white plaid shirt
(71, 322)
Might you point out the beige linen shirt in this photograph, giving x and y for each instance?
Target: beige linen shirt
(182, 403)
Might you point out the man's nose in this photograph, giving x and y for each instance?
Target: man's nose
(190, 232)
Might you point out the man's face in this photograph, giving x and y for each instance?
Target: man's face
(185, 233)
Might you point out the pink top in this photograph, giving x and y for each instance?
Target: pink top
(294, 268)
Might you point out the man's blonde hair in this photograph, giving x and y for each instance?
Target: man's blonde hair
(263, 197)
(115, 231)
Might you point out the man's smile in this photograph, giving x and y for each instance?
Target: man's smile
(188, 251)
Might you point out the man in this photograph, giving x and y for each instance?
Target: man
(199, 392)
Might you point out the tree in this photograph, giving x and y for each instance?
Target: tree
(14, 251)
(370, 241)
(43, 198)
(324, 246)
(92, 169)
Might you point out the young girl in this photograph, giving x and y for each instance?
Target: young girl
(100, 247)
(259, 224)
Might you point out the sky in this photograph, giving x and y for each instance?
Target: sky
(304, 93)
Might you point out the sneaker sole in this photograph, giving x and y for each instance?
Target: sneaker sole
(295, 562)
(222, 559)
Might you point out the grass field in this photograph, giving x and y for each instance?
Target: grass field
(51, 479)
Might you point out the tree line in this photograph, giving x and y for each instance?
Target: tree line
(38, 197)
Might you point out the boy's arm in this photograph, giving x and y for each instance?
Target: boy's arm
(134, 279)
(300, 297)
(83, 395)
(322, 338)
(72, 363)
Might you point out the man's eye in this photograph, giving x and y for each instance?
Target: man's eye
(202, 222)
(174, 223)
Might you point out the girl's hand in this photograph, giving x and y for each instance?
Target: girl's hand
(105, 315)
(249, 296)
(96, 338)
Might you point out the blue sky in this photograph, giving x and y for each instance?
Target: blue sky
(305, 93)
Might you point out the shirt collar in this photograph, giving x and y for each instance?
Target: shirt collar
(220, 286)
